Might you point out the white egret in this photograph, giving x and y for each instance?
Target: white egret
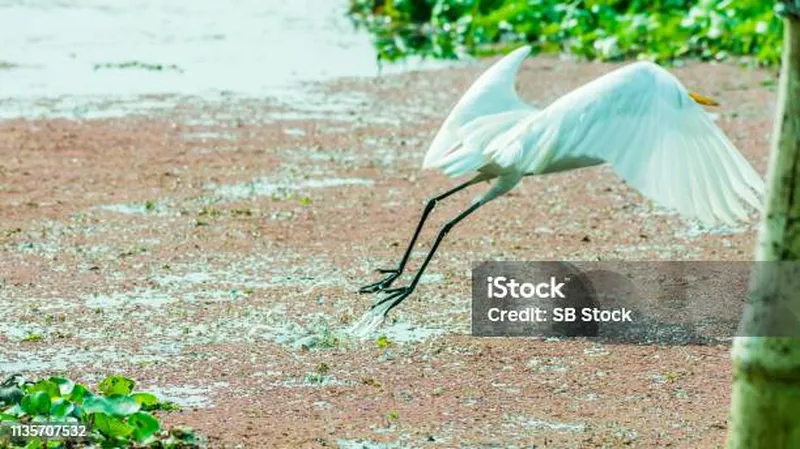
(638, 118)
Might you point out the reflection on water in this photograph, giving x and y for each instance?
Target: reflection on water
(125, 48)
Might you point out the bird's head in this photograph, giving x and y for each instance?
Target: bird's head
(702, 99)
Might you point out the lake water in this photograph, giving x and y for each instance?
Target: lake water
(70, 51)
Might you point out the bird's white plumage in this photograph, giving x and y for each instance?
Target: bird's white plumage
(638, 118)
(490, 94)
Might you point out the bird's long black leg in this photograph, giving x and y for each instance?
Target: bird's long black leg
(397, 295)
(394, 273)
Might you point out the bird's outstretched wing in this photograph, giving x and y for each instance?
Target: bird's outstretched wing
(491, 95)
(643, 122)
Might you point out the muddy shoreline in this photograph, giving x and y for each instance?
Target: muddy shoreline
(211, 251)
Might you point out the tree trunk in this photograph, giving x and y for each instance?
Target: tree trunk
(765, 406)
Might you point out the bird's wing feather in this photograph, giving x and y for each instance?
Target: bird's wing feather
(642, 121)
(492, 93)
(468, 155)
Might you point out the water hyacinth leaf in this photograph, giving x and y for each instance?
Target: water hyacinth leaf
(61, 408)
(47, 386)
(11, 395)
(78, 412)
(79, 393)
(96, 404)
(123, 405)
(145, 426)
(146, 400)
(16, 380)
(111, 426)
(115, 405)
(36, 403)
(112, 385)
(15, 410)
(35, 444)
(65, 386)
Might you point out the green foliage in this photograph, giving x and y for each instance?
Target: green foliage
(115, 417)
(383, 342)
(116, 385)
(660, 30)
(33, 337)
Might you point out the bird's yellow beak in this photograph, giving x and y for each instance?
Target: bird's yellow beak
(705, 101)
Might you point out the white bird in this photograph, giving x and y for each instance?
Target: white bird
(638, 118)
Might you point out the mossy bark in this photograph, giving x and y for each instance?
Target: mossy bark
(765, 406)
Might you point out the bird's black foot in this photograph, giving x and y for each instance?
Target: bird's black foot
(394, 297)
(383, 284)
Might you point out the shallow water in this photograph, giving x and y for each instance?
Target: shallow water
(186, 396)
(256, 48)
(265, 187)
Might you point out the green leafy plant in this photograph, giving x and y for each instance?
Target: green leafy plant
(116, 416)
(383, 342)
(660, 30)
